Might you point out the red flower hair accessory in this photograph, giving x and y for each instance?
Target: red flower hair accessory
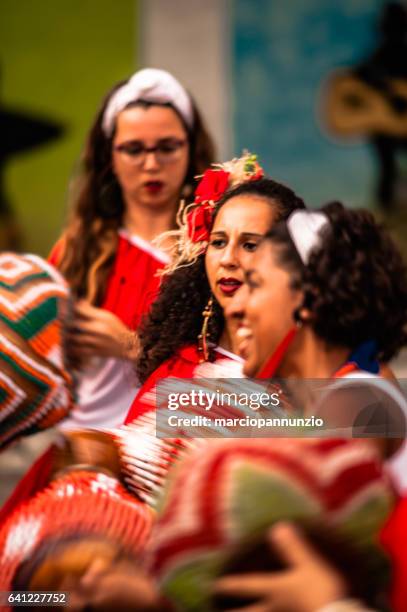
(211, 188)
(195, 220)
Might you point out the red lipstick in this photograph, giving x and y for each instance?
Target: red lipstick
(229, 286)
(154, 186)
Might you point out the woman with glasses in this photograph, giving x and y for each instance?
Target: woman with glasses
(145, 148)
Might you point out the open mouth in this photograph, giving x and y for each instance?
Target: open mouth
(154, 186)
(229, 286)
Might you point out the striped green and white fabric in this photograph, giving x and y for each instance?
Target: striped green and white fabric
(36, 390)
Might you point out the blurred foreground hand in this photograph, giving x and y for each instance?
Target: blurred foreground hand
(121, 587)
(309, 584)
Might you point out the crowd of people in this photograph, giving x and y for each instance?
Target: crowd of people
(172, 266)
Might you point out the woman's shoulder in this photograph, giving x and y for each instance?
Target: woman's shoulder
(186, 359)
(139, 245)
(185, 363)
(179, 365)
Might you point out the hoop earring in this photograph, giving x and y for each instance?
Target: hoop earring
(204, 336)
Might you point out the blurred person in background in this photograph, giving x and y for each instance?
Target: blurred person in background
(146, 147)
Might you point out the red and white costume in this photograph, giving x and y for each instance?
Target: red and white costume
(107, 386)
(147, 458)
(184, 364)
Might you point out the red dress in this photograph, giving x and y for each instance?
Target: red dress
(132, 285)
(394, 540)
(145, 456)
(183, 364)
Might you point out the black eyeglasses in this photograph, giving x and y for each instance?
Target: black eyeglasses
(165, 151)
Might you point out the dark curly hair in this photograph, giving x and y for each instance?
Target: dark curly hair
(175, 319)
(356, 285)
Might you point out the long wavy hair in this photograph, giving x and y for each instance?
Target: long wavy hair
(175, 319)
(89, 242)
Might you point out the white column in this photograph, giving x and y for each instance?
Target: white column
(191, 39)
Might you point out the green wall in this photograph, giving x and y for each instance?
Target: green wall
(58, 59)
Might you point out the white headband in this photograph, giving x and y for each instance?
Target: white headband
(305, 228)
(151, 85)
